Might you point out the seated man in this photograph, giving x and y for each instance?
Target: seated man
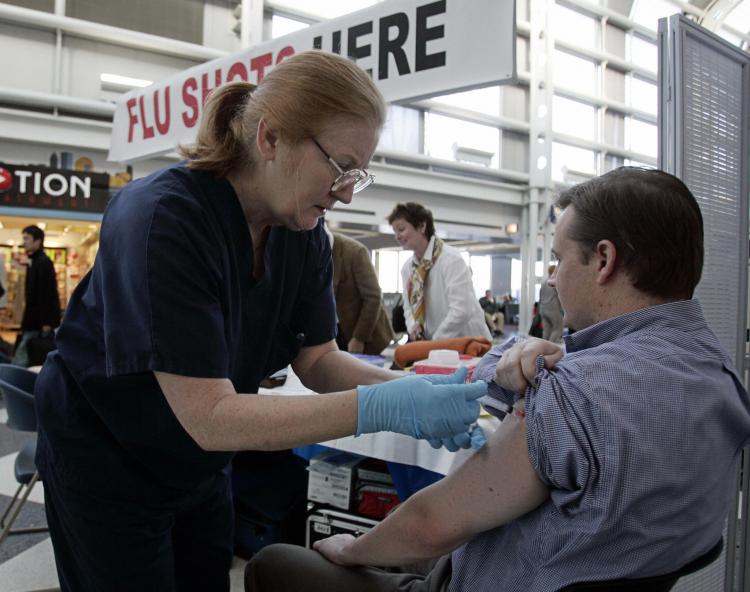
(596, 479)
(494, 314)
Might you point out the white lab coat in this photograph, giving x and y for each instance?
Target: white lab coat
(452, 307)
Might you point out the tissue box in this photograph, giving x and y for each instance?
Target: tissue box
(332, 478)
(446, 361)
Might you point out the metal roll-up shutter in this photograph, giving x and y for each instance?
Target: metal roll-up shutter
(703, 139)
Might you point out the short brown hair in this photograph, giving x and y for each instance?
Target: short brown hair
(415, 214)
(300, 96)
(34, 232)
(652, 219)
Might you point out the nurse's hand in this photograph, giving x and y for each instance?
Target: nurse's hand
(416, 407)
(474, 439)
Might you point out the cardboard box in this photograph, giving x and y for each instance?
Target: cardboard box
(332, 478)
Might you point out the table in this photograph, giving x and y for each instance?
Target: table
(392, 447)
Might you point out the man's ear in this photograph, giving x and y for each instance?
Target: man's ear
(265, 140)
(606, 259)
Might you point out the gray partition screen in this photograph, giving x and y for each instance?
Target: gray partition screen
(703, 139)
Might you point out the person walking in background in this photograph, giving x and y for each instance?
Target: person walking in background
(41, 312)
(494, 314)
(440, 301)
(551, 310)
(364, 327)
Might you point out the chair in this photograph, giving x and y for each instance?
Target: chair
(17, 386)
(662, 583)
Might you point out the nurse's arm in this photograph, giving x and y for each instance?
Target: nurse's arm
(217, 418)
(324, 369)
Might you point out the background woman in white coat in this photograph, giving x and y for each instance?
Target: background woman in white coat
(439, 295)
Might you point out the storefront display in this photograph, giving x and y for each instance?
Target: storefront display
(71, 246)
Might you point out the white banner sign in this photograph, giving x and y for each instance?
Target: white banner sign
(412, 48)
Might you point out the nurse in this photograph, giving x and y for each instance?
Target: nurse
(212, 274)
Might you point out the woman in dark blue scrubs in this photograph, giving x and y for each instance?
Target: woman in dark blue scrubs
(212, 274)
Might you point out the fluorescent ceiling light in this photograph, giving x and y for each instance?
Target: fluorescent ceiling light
(119, 83)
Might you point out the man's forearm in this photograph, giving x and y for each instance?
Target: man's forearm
(411, 533)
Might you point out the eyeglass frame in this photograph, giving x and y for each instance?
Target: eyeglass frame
(363, 181)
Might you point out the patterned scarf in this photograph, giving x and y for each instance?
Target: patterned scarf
(418, 278)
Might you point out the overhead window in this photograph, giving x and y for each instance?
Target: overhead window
(450, 138)
(483, 100)
(643, 95)
(567, 159)
(402, 130)
(280, 26)
(574, 72)
(573, 118)
(642, 136)
(574, 27)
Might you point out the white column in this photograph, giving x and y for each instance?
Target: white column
(541, 48)
(251, 32)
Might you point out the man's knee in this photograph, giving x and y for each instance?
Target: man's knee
(265, 568)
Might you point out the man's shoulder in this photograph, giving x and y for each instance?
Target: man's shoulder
(43, 259)
(348, 246)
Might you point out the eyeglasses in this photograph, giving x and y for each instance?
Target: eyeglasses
(360, 178)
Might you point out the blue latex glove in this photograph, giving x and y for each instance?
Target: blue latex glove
(458, 375)
(473, 439)
(414, 406)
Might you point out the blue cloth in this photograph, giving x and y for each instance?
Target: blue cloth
(172, 290)
(637, 432)
(497, 399)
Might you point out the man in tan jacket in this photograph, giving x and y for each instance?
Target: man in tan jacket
(364, 327)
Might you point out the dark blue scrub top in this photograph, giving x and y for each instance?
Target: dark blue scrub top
(172, 290)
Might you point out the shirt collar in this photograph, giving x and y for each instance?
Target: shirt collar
(686, 315)
(427, 251)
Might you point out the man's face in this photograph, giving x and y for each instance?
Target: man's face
(574, 280)
(30, 244)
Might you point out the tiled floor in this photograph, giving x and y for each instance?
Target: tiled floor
(24, 564)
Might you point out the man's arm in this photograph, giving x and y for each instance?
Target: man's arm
(48, 298)
(495, 485)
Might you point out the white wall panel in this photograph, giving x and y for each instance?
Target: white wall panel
(84, 60)
(27, 57)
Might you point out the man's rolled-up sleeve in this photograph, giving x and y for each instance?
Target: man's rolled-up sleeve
(562, 435)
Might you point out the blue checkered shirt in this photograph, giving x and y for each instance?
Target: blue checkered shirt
(637, 432)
